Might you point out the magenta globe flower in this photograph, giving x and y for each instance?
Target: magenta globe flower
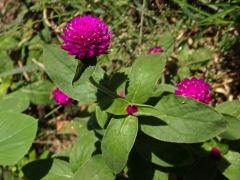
(196, 89)
(154, 50)
(86, 37)
(60, 97)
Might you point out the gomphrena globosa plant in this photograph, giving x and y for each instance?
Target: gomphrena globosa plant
(60, 97)
(86, 37)
(137, 115)
(195, 88)
(134, 112)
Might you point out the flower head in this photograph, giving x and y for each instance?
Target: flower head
(86, 37)
(154, 50)
(60, 97)
(215, 153)
(131, 109)
(196, 89)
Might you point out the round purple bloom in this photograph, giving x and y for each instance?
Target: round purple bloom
(196, 89)
(131, 109)
(154, 50)
(215, 153)
(86, 37)
(60, 97)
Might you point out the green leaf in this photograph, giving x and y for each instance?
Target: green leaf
(230, 165)
(60, 170)
(193, 58)
(102, 116)
(37, 169)
(5, 84)
(163, 153)
(39, 92)
(163, 88)
(186, 121)
(118, 107)
(82, 149)
(230, 107)
(17, 132)
(183, 72)
(5, 62)
(145, 72)
(208, 145)
(200, 55)
(8, 174)
(166, 41)
(233, 128)
(94, 169)
(118, 141)
(61, 69)
(160, 175)
(14, 102)
(7, 42)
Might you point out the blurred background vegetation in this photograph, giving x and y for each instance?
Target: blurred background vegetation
(201, 36)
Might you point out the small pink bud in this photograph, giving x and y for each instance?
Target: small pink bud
(60, 97)
(131, 109)
(216, 153)
(122, 94)
(154, 50)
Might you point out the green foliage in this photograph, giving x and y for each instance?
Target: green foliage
(222, 11)
(118, 107)
(94, 169)
(191, 59)
(230, 165)
(83, 149)
(143, 77)
(61, 69)
(48, 169)
(17, 132)
(8, 42)
(59, 170)
(14, 102)
(230, 107)
(101, 116)
(39, 92)
(183, 120)
(118, 141)
(233, 128)
(162, 153)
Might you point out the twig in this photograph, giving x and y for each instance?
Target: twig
(38, 64)
(52, 111)
(51, 24)
(141, 23)
(24, 73)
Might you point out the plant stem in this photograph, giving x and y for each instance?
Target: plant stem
(52, 111)
(141, 23)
